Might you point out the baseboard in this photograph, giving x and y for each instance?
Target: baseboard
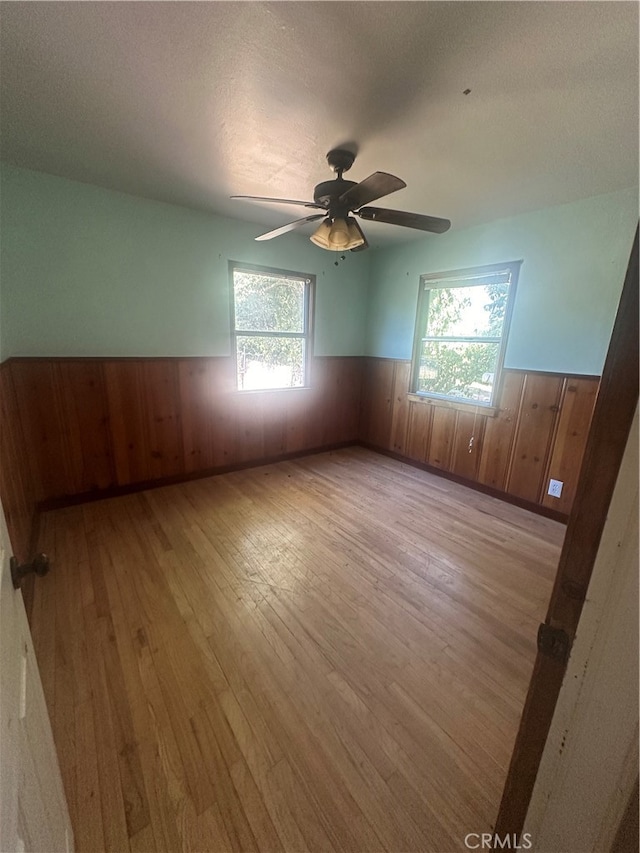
(132, 488)
(471, 484)
(143, 486)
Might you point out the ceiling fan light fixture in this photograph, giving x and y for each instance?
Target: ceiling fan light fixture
(321, 235)
(336, 199)
(338, 236)
(356, 237)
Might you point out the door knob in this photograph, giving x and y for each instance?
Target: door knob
(39, 565)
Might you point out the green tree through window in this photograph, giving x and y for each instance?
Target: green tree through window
(461, 332)
(271, 328)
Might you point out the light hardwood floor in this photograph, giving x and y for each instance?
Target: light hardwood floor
(325, 654)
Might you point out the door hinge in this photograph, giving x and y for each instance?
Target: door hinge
(554, 643)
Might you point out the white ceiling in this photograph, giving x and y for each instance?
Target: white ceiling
(191, 102)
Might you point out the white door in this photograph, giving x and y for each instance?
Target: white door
(33, 809)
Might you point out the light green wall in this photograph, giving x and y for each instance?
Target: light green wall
(574, 261)
(88, 271)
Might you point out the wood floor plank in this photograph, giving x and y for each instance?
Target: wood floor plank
(203, 832)
(233, 815)
(328, 654)
(89, 834)
(164, 775)
(289, 787)
(114, 823)
(179, 707)
(143, 841)
(261, 824)
(122, 713)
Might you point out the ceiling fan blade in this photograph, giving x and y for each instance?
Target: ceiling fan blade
(373, 187)
(408, 220)
(365, 245)
(278, 200)
(291, 226)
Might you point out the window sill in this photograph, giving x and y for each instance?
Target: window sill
(470, 408)
(286, 389)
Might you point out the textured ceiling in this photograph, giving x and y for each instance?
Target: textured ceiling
(191, 102)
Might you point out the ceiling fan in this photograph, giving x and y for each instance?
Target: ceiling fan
(339, 231)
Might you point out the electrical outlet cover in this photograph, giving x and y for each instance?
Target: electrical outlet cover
(555, 488)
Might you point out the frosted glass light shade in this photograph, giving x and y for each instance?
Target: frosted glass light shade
(321, 235)
(339, 235)
(355, 235)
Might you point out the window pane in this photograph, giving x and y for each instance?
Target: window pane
(265, 303)
(469, 312)
(464, 370)
(265, 363)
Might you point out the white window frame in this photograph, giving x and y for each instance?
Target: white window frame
(306, 335)
(454, 279)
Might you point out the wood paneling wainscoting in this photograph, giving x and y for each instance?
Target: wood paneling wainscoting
(538, 431)
(81, 426)
(74, 428)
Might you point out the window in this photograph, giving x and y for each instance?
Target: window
(461, 331)
(271, 322)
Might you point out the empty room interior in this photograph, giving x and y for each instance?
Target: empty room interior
(318, 451)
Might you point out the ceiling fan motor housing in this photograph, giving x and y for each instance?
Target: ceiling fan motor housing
(328, 192)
